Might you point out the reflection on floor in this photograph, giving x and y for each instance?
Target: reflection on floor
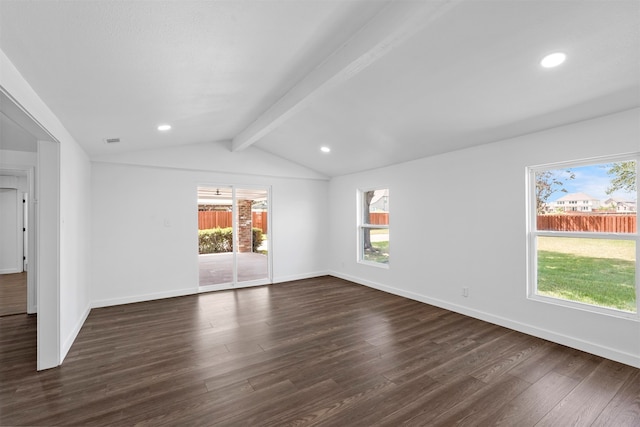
(13, 294)
(216, 269)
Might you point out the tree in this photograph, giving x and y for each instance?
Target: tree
(623, 177)
(549, 182)
(368, 197)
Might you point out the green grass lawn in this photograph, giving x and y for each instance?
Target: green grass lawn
(593, 271)
(596, 248)
(380, 252)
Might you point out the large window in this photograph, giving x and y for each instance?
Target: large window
(373, 227)
(583, 239)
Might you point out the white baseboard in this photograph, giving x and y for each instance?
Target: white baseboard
(145, 297)
(599, 350)
(291, 278)
(68, 342)
(192, 291)
(11, 271)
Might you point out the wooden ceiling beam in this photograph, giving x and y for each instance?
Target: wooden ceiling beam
(394, 24)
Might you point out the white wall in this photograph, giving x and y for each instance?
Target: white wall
(75, 239)
(214, 156)
(144, 238)
(10, 158)
(48, 254)
(436, 250)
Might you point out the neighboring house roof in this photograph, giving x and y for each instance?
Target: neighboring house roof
(619, 200)
(380, 200)
(622, 205)
(576, 196)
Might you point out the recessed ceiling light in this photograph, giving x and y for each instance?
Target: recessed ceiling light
(325, 149)
(553, 60)
(164, 127)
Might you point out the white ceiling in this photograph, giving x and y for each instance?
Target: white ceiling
(225, 194)
(379, 82)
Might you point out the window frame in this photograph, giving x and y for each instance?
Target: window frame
(361, 226)
(533, 233)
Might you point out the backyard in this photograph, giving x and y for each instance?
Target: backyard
(380, 246)
(592, 271)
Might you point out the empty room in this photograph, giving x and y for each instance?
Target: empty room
(319, 212)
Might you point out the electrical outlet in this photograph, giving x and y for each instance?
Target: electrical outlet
(465, 292)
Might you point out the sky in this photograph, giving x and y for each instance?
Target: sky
(592, 180)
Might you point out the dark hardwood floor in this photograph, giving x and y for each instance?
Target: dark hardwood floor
(13, 294)
(313, 352)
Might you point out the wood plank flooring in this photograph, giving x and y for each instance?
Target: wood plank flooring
(13, 294)
(313, 352)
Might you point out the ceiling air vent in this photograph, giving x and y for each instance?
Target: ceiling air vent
(111, 140)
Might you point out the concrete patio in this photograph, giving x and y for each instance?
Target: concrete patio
(216, 269)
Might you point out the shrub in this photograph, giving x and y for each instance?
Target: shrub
(216, 240)
(257, 239)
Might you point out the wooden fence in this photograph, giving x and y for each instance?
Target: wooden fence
(603, 223)
(215, 219)
(379, 218)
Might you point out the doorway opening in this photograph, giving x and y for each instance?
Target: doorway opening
(15, 288)
(233, 237)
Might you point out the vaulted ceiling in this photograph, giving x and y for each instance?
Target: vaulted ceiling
(378, 82)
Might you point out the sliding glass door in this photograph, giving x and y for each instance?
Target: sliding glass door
(233, 237)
